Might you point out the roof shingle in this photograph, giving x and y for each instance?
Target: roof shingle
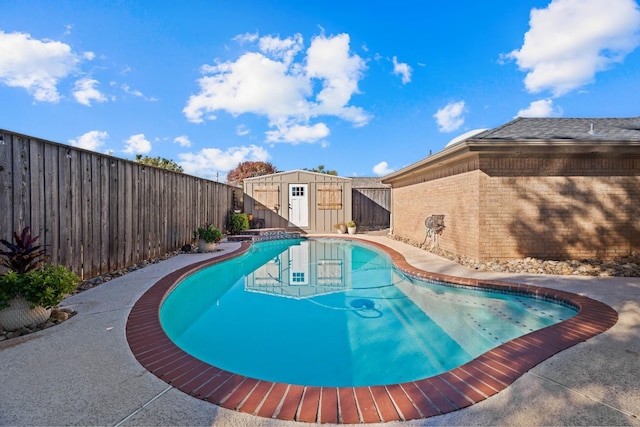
(586, 129)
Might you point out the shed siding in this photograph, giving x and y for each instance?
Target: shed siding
(326, 208)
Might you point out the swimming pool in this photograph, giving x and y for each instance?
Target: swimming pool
(336, 313)
(458, 388)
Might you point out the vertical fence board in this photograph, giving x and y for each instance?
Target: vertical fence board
(103, 197)
(128, 211)
(154, 211)
(36, 191)
(20, 182)
(6, 185)
(75, 214)
(171, 210)
(86, 214)
(94, 202)
(52, 221)
(64, 197)
(147, 217)
(112, 218)
(135, 212)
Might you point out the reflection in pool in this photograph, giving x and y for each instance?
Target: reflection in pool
(329, 312)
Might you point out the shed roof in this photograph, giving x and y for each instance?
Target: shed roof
(301, 171)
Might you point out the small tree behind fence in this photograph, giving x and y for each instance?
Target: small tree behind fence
(96, 213)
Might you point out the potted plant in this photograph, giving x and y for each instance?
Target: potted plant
(351, 227)
(208, 236)
(31, 287)
(340, 227)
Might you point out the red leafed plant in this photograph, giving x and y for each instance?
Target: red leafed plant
(24, 255)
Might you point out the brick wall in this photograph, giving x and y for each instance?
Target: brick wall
(500, 206)
(456, 197)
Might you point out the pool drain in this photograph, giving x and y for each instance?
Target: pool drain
(363, 304)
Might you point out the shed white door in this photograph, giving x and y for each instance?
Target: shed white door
(298, 205)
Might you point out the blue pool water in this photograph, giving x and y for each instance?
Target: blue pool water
(325, 312)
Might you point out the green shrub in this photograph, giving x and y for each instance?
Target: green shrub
(44, 287)
(239, 223)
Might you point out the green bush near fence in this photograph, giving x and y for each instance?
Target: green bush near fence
(239, 223)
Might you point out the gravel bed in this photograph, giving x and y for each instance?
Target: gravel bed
(619, 267)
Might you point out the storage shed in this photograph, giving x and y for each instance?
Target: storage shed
(554, 188)
(299, 200)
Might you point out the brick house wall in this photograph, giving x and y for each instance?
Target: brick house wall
(515, 201)
(412, 205)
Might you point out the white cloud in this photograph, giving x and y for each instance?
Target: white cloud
(91, 140)
(183, 140)
(253, 84)
(569, 41)
(35, 65)
(127, 89)
(402, 69)
(242, 130)
(272, 84)
(137, 144)
(285, 49)
(246, 38)
(209, 162)
(329, 60)
(296, 134)
(382, 168)
(84, 92)
(540, 108)
(449, 117)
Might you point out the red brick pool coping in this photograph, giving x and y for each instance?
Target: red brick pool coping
(459, 388)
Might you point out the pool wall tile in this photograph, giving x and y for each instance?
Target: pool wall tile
(461, 387)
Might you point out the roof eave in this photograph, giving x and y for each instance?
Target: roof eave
(470, 146)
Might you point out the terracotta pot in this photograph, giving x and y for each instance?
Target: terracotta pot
(20, 314)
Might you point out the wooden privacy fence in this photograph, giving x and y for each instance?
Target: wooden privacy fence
(372, 207)
(96, 213)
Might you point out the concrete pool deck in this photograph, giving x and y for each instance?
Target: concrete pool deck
(82, 372)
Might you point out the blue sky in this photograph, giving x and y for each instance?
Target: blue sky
(362, 87)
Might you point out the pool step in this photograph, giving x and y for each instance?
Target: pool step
(264, 234)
